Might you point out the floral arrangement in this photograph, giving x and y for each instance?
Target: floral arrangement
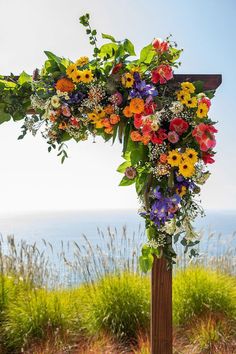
(167, 135)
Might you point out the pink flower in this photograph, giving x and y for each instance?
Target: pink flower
(117, 98)
(179, 125)
(130, 172)
(162, 74)
(204, 135)
(173, 137)
(160, 46)
(65, 111)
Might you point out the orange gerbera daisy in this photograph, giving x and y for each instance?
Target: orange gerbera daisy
(127, 112)
(135, 136)
(114, 118)
(137, 105)
(145, 139)
(109, 109)
(65, 85)
(109, 130)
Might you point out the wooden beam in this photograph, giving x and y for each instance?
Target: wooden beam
(210, 82)
(161, 308)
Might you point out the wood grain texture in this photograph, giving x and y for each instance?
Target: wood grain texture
(161, 308)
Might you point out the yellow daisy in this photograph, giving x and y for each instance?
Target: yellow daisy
(93, 116)
(174, 158)
(82, 61)
(186, 168)
(183, 96)
(71, 70)
(87, 76)
(127, 80)
(77, 76)
(202, 110)
(191, 103)
(190, 155)
(188, 86)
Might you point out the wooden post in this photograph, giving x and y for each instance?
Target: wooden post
(161, 308)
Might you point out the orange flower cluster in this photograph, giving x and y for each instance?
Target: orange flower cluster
(65, 85)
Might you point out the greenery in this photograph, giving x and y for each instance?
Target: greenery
(110, 310)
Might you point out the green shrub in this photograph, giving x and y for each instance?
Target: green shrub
(37, 315)
(197, 290)
(119, 305)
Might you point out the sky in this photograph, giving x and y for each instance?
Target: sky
(31, 179)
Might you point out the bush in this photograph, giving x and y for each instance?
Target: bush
(197, 290)
(37, 315)
(120, 306)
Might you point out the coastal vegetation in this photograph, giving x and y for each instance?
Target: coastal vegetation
(99, 302)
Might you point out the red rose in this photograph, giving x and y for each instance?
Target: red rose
(162, 74)
(179, 125)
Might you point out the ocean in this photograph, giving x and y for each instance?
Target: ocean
(69, 226)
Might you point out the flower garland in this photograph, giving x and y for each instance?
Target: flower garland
(167, 135)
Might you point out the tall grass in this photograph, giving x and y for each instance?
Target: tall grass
(88, 291)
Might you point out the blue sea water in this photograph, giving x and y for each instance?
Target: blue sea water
(70, 225)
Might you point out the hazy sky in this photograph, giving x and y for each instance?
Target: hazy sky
(32, 179)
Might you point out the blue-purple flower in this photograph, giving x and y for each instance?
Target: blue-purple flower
(141, 89)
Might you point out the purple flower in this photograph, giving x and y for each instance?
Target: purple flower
(141, 89)
(75, 98)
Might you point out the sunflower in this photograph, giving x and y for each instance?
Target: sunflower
(202, 110)
(174, 158)
(127, 80)
(98, 124)
(137, 105)
(87, 76)
(100, 112)
(183, 96)
(191, 155)
(62, 126)
(77, 76)
(191, 103)
(82, 61)
(188, 86)
(71, 70)
(186, 169)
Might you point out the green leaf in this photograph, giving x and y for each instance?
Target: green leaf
(23, 78)
(65, 137)
(108, 49)
(7, 84)
(147, 54)
(210, 94)
(53, 57)
(129, 47)
(140, 182)
(174, 53)
(146, 262)
(123, 166)
(199, 86)
(108, 36)
(4, 117)
(126, 181)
